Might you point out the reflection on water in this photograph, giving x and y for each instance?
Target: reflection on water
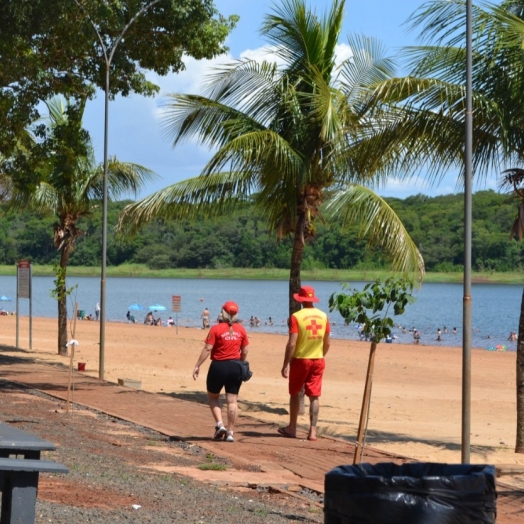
(496, 308)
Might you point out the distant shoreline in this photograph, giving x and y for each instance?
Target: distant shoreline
(332, 275)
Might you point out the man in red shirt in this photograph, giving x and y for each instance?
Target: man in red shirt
(226, 344)
(304, 364)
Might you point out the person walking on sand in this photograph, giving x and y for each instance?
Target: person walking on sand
(226, 344)
(97, 310)
(304, 363)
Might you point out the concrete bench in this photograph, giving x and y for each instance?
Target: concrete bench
(19, 486)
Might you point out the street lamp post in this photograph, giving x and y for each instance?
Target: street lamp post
(467, 302)
(108, 57)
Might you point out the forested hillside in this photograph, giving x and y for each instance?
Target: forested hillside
(242, 240)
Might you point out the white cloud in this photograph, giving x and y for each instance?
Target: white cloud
(343, 52)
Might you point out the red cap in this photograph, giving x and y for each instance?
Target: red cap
(230, 307)
(306, 294)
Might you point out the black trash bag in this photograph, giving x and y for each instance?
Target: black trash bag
(414, 493)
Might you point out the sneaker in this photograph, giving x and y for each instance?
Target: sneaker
(220, 432)
(229, 437)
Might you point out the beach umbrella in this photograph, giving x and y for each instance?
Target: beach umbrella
(5, 299)
(136, 307)
(157, 307)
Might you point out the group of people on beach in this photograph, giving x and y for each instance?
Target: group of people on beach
(226, 344)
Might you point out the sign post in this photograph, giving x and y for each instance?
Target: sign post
(23, 290)
(176, 302)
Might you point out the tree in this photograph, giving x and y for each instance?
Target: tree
(430, 105)
(514, 179)
(367, 308)
(49, 47)
(282, 134)
(70, 186)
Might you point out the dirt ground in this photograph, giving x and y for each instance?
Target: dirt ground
(416, 398)
(120, 472)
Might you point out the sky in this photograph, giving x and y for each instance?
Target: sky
(135, 122)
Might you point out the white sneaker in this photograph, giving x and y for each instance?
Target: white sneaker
(229, 437)
(220, 432)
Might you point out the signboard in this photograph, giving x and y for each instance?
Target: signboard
(24, 279)
(177, 303)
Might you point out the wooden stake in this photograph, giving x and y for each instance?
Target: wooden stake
(362, 425)
(72, 347)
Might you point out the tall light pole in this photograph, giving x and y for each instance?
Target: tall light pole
(467, 302)
(109, 52)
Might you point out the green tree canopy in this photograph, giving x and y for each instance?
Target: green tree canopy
(49, 47)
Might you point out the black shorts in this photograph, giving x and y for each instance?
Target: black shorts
(224, 373)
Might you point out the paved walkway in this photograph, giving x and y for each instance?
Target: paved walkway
(257, 448)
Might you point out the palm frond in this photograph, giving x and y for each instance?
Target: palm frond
(368, 65)
(209, 122)
(46, 198)
(302, 39)
(378, 223)
(202, 196)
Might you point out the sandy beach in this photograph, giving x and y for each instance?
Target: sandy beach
(416, 397)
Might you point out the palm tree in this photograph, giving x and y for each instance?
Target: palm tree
(283, 136)
(513, 179)
(429, 107)
(70, 187)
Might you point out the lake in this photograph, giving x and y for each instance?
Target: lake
(496, 308)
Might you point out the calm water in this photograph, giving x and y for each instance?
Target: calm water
(496, 308)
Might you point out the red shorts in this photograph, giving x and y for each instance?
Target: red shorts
(306, 372)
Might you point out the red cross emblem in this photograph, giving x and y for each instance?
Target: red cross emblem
(314, 327)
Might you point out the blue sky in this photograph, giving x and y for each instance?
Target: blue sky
(134, 122)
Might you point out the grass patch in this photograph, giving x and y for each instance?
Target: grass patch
(330, 275)
(213, 466)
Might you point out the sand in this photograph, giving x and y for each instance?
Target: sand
(416, 405)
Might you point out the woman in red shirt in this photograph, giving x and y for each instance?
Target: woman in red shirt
(226, 344)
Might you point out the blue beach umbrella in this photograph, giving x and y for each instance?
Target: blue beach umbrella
(5, 299)
(136, 307)
(157, 307)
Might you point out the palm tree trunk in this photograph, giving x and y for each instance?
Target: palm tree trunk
(296, 264)
(519, 447)
(62, 304)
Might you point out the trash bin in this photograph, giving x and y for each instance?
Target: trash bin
(414, 493)
(81, 313)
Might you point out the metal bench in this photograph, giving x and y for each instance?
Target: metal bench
(19, 476)
(19, 486)
(14, 441)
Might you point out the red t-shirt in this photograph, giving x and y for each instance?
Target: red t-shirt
(226, 345)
